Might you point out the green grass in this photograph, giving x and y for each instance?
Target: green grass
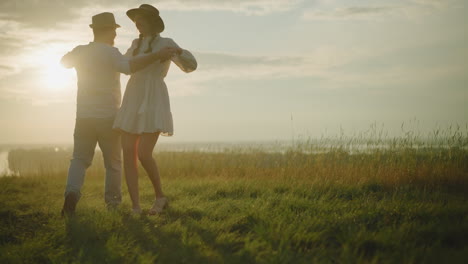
(397, 205)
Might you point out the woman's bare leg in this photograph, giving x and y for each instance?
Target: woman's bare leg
(145, 154)
(130, 150)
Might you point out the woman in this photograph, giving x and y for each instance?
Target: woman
(145, 112)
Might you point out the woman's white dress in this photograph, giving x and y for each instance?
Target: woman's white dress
(145, 106)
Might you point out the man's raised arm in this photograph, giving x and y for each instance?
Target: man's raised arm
(68, 60)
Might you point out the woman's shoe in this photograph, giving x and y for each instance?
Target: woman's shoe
(158, 206)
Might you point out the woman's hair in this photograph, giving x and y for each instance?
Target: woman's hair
(140, 38)
(150, 48)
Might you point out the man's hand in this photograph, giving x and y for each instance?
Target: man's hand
(139, 62)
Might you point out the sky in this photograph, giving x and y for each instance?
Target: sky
(267, 69)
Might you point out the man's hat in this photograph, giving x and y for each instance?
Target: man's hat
(149, 11)
(104, 20)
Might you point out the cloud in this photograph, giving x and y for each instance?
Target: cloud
(347, 13)
(325, 68)
(52, 13)
(6, 70)
(38, 14)
(366, 10)
(248, 7)
(432, 3)
(9, 49)
(9, 44)
(378, 10)
(216, 60)
(219, 68)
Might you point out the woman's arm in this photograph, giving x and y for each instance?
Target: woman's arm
(130, 65)
(183, 58)
(140, 62)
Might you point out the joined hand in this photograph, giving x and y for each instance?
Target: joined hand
(167, 52)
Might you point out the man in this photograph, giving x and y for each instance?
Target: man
(98, 66)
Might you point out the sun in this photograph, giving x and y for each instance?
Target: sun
(55, 76)
(52, 76)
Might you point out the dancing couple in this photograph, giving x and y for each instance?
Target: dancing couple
(133, 124)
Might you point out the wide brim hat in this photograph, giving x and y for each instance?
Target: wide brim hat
(104, 20)
(149, 11)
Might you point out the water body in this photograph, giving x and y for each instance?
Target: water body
(306, 147)
(4, 166)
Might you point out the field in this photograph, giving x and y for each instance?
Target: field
(320, 202)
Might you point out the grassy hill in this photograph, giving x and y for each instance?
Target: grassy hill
(395, 205)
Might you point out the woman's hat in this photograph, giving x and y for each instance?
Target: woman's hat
(104, 20)
(149, 11)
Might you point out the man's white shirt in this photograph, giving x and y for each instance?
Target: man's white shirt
(98, 67)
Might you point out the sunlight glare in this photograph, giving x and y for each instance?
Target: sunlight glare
(53, 76)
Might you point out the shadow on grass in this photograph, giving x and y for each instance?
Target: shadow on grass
(184, 242)
(85, 241)
(16, 228)
(173, 237)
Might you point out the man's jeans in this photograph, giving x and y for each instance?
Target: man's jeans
(88, 132)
